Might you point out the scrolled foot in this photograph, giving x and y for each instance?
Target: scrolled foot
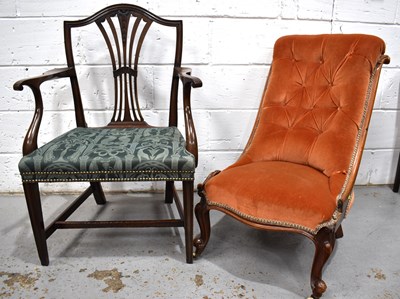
(202, 213)
(324, 243)
(319, 287)
(199, 244)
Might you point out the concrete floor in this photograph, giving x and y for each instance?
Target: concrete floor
(239, 262)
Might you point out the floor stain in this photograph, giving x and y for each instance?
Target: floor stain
(385, 295)
(15, 281)
(111, 277)
(198, 279)
(240, 291)
(26, 281)
(377, 274)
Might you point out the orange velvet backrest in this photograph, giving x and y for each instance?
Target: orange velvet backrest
(319, 94)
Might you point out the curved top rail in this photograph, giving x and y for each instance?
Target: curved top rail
(120, 35)
(122, 8)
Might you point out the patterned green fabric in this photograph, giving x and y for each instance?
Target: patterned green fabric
(111, 154)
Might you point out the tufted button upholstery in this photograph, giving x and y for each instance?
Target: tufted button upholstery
(311, 115)
(307, 102)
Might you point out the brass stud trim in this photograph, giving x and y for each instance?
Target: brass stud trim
(105, 172)
(264, 220)
(105, 180)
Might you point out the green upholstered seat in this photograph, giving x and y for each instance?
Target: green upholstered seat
(111, 154)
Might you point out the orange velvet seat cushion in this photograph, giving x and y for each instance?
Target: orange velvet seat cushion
(277, 193)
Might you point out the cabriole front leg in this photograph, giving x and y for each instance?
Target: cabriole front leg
(32, 196)
(324, 243)
(202, 213)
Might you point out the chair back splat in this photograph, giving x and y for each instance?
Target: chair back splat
(124, 28)
(298, 169)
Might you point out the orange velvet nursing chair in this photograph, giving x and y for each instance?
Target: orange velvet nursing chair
(298, 169)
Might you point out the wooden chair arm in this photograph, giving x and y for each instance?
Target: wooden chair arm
(186, 77)
(188, 82)
(34, 82)
(30, 141)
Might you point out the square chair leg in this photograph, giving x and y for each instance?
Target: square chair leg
(169, 191)
(32, 196)
(188, 219)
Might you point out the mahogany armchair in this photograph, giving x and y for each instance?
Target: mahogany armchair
(297, 171)
(128, 149)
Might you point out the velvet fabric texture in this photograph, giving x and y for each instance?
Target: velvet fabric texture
(306, 145)
(111, 154)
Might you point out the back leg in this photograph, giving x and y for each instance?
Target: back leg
(339, 232)
(98, 193)
(188, 219)
(397, 177)
(169, 191)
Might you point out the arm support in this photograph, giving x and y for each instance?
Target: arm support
(188, 82)
(30, 141)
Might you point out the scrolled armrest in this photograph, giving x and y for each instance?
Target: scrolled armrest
(30, 141)
(34, 82)
(384, 59)
(188, 82)
(186, 77)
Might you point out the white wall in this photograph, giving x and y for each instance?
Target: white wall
(229, 46)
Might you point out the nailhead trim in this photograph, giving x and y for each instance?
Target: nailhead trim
(105, 180)
(336, 215)
(107, 172)
(262, 220)
(360, 130)
(351, 198)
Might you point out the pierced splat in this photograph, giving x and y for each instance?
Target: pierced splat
(126, 108)
(124, 28)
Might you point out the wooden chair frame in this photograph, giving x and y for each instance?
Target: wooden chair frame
(126, 115)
